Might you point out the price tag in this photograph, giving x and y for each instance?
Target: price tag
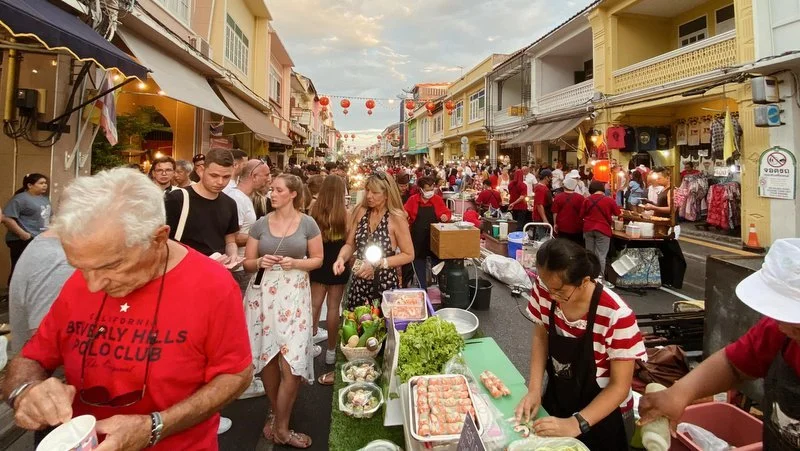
(470, 439)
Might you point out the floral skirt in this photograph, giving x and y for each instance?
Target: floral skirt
(279, 320)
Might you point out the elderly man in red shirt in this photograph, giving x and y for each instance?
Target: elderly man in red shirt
(152, 375)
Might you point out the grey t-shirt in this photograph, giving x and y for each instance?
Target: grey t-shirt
(31, 212)
(294, 245)
(38, 278)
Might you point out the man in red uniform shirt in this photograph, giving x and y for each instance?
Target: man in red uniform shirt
(151, 374)
(596, 213)
(567, 212)
(424, 209)
(769, 350)
(488, 197)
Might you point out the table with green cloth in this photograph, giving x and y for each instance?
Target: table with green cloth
(480, 354)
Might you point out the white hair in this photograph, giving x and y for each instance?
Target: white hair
(185, 165)
(120, 195)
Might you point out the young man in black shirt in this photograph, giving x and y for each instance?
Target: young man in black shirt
(213, 221)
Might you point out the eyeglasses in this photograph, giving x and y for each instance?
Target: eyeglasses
(380, 174)
(99, 396)
(559, 297)
(164, 171)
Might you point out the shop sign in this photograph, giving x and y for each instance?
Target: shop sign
(777, 174)
(470, 440)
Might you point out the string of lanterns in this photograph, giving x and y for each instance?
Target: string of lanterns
(370, 104)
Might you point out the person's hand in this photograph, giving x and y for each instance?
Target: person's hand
(648, 206)
(287, 263)
(26, 236)
(528, 407)
(443, 218)
(268, 261)
(124, 432)
(667, 403)
(338, 266)
(47, 403)
(234, 261)
(366, 271)
(556, 427)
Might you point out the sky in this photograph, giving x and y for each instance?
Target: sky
(377, 48)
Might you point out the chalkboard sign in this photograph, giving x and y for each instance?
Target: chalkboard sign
(470, 439)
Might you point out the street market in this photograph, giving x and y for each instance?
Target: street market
(368, 226)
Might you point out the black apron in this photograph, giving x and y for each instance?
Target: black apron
(781, 392)
(572, 382)
(421, 230)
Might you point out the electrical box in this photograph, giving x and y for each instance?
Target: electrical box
(765, 90)
(26, 99)
(768, 115)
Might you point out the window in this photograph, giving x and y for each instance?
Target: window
(725, 19)
(693, 31)
(423, 131)
(438, 123)
(179, 8)
(237, 46)
(457, 118)
(274, 84)
(477, 106)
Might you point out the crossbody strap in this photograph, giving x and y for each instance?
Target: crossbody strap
(184, 215)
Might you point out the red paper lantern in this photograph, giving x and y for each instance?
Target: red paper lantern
(324, 101)
(430, 106)
(410, 104)
(344, 111)
(602, 171)
(345, 103)
(370, 104)
(450, 105)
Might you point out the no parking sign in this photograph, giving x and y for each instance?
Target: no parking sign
(777, 174)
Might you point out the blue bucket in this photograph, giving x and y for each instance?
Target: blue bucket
(515, 243)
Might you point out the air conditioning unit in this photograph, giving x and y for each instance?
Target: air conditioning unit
(517, 110)
(202, 46)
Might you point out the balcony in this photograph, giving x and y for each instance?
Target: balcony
(566, 98)
(692, 60)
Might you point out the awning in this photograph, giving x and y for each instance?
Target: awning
(420, 151)
(546, 131)
(323, 145)
(57, 29)
(255, 120)
(175, 79)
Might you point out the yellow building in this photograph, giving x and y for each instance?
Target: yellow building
(464, 135)
(661, 64)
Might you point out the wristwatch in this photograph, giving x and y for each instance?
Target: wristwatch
(15, 394)
(157, 426)
(584, 425)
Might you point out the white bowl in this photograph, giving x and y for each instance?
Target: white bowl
(466, 322)
(464, 225)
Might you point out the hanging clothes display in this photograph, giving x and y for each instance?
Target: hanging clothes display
(694, 133)
(718, 135)
(630, 139)
(663, 138)
(705, 130)
(690, 197)
(646, 138)
(615, 137)
(680, 134)
(724, 205)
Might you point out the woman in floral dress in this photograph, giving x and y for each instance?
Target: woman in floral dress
(283, 247)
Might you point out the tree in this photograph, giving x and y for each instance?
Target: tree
(131, 129)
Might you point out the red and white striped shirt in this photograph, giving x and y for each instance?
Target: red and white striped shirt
(616, 333)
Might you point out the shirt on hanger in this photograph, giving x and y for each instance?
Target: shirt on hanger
(615, 137)
(694, 133)
(705, 132)
(681, 134)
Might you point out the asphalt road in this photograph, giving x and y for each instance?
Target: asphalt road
(504, 321)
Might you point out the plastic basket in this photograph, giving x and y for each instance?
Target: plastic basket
(726, 421)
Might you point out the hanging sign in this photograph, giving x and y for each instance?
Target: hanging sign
(777, 174)
(470, 439)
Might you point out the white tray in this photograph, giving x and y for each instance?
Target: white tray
(412, 396)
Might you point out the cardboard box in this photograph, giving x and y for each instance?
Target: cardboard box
(451, 242)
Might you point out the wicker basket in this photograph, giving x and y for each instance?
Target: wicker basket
(360, 353)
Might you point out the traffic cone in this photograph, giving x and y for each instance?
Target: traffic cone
(752, 239)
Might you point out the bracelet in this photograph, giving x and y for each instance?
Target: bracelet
(156, 427)
(12, 397)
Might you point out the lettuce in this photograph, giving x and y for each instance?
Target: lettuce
(425, 347)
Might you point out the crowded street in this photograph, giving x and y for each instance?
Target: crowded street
(372, 226)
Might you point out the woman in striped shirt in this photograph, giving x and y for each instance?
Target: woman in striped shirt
(588, 393)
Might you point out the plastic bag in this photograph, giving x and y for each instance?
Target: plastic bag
(507, 270)
(554, 443)
(704, 439)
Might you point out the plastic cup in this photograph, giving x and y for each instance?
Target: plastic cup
(78, 434)
(495, 230)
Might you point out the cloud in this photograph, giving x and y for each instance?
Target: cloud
(377, 48)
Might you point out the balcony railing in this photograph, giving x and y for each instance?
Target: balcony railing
(695, 59)
(508, 115)
(566, 98)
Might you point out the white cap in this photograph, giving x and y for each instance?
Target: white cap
(573, 174)
(570, 183)
(774, 290)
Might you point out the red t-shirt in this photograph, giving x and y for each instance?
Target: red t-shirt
(568, 208)
(541, 196)
(754, 352)
(493, 180)
(489, 197)
(201, 334)
(596, 213)
(515, 191)
(616, 332)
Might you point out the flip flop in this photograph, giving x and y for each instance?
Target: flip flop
(269, 428)
(327, 378)
(295, 440)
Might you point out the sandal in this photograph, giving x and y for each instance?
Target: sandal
(295, 440)
(269, 428)
(327, 378)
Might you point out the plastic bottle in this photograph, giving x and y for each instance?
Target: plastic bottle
(655, 435)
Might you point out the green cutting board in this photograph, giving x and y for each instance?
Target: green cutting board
(483, 354)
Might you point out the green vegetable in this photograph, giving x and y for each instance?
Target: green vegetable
(425, 347)
(362, 310)
(370, 329)
(348, 330)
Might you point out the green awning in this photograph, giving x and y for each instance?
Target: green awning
(420, 151)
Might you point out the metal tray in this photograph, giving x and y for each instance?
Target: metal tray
(415, 415)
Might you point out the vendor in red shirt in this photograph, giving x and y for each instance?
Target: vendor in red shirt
(488, 197)
(424, 208)
(152, 375)
(596, 213)
(518, 199)
(770, 350)
(688, 169)
(494, 178)
(568, 222)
